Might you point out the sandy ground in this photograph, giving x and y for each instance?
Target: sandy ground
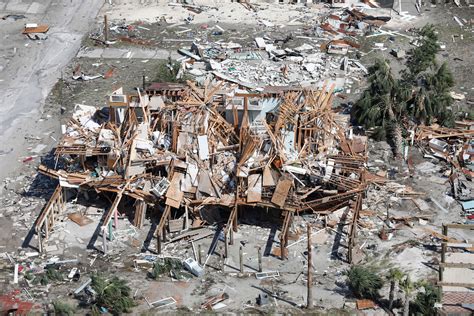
(219, 11)
(29, 69)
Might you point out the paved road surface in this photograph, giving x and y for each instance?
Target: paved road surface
(29, 69)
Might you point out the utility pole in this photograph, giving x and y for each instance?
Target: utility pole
(310, 276)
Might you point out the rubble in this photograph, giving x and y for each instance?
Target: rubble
(215, 146)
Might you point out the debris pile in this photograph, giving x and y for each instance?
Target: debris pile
(274, 61)
(196, 154)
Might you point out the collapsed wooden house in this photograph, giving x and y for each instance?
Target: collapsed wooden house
(182, 151)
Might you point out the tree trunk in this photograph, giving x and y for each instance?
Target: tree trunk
(391, 295)
(406, 305)
(395, 133)
(397, 140)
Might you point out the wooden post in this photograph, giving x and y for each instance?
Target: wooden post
(443, 260)
(310, 275)
(106, 29)
(226, 246)
(40, 240)
(186, 218)
(221, 256)
(241, 259)
(443, 252)
(116, 219)
(259, 259)
(104, 239)
(46, 226)
(158, 242)
(199, 254)
(231, 236)
(110, 231)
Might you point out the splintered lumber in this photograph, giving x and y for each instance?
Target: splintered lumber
(112, 209)
(204, 138)
(281, 192)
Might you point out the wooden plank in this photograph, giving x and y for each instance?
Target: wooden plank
(39, 29)
(457, 265)
(268, 180)
(254, 191)
(112, 209)
(174, 195)
(281, 192)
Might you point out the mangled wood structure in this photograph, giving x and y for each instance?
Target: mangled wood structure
(187, 151)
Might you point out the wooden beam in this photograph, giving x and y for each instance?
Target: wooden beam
(456, 265)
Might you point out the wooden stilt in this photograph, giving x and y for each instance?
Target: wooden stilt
(104, 240)
(241, 259)
(199, 254)
(310, 272)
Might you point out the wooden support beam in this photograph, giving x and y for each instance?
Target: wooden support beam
(112, 209)
(284, 234)
(161, 227)
(353, 227)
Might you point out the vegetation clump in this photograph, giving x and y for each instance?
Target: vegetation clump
(111, 294)
(421, 96)
(364, 282)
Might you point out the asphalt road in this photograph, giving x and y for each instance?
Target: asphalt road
(29, 69)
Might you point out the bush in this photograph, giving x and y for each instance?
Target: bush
(425, 300)
(112, 294)
(61, 308)
(170, 266)
(364, 282)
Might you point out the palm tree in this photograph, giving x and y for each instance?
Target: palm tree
(364, 281)
(423, 56)
(431, 98)
(382, 105)
(395, 275)
(430, 84)
(407, 286)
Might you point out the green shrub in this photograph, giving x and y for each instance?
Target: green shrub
(364, 282)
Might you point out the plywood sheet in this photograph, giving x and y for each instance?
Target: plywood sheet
(281, 192)
(254, 192)
(174, 195)
(268, 180)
